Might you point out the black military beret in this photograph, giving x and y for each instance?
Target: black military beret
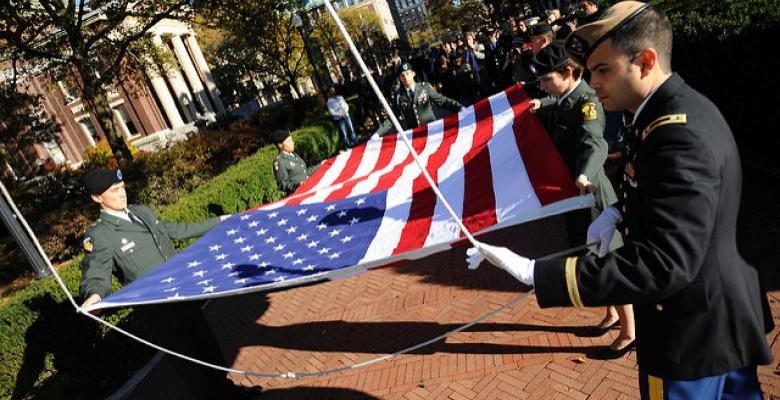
(99, 180)
(549, 59)
(539, 29)
(403, 67)
(280, 135)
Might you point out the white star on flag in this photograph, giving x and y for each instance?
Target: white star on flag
(370, 207)
(228, 265)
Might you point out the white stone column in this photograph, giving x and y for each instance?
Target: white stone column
(120, 122)
(191, 73)
(205, 71)
(166, 100)
(180, 90)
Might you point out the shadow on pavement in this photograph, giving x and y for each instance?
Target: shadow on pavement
(316, 393)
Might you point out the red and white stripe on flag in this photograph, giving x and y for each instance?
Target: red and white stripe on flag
(493, 162)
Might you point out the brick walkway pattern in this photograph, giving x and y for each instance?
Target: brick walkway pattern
(523, 352)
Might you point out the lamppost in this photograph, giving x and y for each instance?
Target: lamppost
(368, 47)
(297, 22)
(378, 39)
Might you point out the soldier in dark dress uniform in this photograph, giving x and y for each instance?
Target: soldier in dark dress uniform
(698, 305)
(289, 168)
(413, 102)
(129, 241)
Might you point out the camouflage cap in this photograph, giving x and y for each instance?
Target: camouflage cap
(581, 43)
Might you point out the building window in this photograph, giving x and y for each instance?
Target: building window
(88, 128)
(124, 118)
(68, 91)
(55, 151)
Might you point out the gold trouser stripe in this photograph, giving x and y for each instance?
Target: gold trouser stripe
(676, 119)
(655, 387)
(571, 281)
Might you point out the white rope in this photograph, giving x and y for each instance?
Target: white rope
(287, 375)
(428, 178)
(397, 125)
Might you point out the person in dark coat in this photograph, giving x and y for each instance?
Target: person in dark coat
(697, 303)
(589, 12)
(129, 241)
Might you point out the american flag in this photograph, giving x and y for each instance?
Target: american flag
(371, 206)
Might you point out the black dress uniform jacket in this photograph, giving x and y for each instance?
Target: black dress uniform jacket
(697, 302)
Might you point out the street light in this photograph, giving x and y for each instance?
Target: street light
(297, 22)
(378, 39)
(368, 47)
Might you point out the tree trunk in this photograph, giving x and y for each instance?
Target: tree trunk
(294, 87)
(96, 101)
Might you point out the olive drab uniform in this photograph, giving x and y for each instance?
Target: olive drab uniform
(130, 249)
(576, 127)
(290, 171)
(697, 303)
(415, 107)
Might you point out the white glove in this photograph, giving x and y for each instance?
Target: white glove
(518, 266)
(601, 230)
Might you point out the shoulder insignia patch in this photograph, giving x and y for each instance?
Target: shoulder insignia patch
(423, 97)
(88, 245)
(589, 111)
(276, 165)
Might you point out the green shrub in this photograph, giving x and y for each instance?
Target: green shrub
(733, 38)
(251, 182)
(51, 352)
(290, 115)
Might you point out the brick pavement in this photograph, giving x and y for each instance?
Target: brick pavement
(522, 353)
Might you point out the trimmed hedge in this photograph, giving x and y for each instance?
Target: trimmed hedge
(251, 182)
(51, 352)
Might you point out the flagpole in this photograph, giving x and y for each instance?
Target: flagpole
(397, 125)
(37, 244)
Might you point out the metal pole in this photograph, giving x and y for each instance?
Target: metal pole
(370, 50)
(317, 82)
(25, 243)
